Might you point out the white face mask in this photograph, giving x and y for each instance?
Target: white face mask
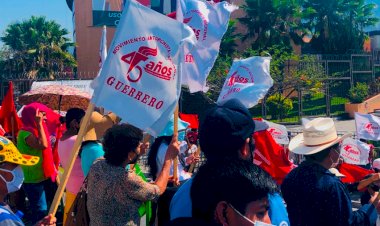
(335, 164)
(16, 182)
(256, 223)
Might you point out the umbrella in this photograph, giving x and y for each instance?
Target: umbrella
(57, 97)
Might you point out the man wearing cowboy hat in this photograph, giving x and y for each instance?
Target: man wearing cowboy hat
(314, 195)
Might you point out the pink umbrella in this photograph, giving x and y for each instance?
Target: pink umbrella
(57, 97)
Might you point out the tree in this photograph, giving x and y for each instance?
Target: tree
(335, 26)
(36, 47)
(228, 44)
(270, 22)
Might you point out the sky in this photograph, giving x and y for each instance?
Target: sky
(18, 10)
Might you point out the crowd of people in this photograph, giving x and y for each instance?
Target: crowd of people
(227, 189)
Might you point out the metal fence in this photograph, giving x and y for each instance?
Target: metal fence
(341, 71)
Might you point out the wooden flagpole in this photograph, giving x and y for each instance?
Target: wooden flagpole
(175, 162)
(73, 156)
(13, 129)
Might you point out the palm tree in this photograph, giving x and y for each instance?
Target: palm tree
(270, 22)
(336, 26)
(37, 47)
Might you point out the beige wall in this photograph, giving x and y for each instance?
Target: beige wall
(88, 37)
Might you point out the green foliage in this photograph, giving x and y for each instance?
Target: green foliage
(332, 26)
(358, 93)
(36, 46)
(218, 75)
(279, 106)
(335, 26)
(228, 44)
(270, 22)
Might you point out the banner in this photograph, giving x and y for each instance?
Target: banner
(354, 151)
(271, 157)
(248, 81)
(140, 79)
(367, 126)
(209, 22)
(278, 132)
(353, 173)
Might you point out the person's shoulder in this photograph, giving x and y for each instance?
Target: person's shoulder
(189, 221)
(8, 218)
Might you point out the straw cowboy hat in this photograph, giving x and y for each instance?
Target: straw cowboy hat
(318, 134)
(98, 125)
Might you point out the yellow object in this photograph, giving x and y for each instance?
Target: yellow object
(9, 153)
(70, 197)
(98, 125)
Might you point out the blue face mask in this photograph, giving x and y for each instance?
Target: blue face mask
(181, 136)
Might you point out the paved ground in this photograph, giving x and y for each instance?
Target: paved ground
(341, 126)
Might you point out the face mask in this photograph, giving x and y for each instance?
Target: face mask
(16, 182)
(256, 223)
(335, 164)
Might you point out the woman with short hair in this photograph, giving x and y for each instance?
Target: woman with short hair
(115, 192)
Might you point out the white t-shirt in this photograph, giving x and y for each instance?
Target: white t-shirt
(182, 174)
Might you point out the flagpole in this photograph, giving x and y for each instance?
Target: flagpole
(13, 129)
(175, 161)
(73, 156)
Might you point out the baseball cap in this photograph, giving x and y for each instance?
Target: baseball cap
(9, 153)
(224, 128)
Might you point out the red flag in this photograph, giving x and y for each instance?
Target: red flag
(190, 118)
(353, 173)
(8, 113)
(271, 157)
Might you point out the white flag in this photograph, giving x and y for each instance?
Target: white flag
(140, 79)
(367, 126)
(103, 47)
(354, 151)
(248, 81)
(209, 22)
(278, 132)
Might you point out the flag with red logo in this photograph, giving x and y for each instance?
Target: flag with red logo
(367, 126)
(248, 80)
(190, 118)
(353, 173)
(271, 157)
(8, 113)
(209, 21)
(140, 79)
(278, 132)
(354, 151)
(103, 47)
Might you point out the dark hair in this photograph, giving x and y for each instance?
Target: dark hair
(320, 156)
(118, 141)
(152, 155)
(74, 114)
(237, 182)
(224, 129)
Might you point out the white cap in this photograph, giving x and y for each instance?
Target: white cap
(376, 164)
